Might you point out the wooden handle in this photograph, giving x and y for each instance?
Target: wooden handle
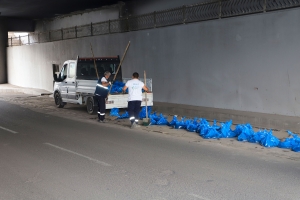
(146, 96)
(122, 60)
(94, 61)
(120, 65)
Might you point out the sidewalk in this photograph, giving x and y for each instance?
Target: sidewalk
(8, 88)
(278, 123)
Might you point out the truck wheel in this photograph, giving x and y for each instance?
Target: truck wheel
(90, 105)
(58, 101)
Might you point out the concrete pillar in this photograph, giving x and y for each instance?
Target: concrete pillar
(3, 45)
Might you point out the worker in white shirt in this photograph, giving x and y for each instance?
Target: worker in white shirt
(135, 97)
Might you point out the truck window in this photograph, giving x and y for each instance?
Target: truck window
(71, 70)
(86, 69)
(63, 72)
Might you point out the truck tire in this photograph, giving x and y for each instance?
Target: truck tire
(58, 101)
(90, 105)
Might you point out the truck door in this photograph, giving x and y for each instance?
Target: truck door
(70, 81)
(63, 76)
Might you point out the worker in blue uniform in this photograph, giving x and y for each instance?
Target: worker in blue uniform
(101, 93)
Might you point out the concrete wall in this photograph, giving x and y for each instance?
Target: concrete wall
(3, 45)
(248, 63)
(138, 7)
(79, 18)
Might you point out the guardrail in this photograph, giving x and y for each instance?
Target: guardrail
(181, 15)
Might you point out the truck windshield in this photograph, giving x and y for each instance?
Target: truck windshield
(86, 69)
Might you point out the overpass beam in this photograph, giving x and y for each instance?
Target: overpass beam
(3, 45)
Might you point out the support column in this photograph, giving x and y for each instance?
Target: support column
(3, 46)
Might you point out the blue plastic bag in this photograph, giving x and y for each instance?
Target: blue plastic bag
(211, 133)
(288, 143)
(114, 112)
(208, 132)
(244, 132)
(296, 148)
(291, 142)
(258, 136)
(182, 124)
(142, 114)
(162, 121)
(154, 116)
(173, 121)
(225, 131)
(202, 127)
(152, 121)
(270, 140)
(192, 127)
(116, 87)
(124, 116)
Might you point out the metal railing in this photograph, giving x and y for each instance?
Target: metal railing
(181, 15)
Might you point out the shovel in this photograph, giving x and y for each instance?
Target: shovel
(146, 121)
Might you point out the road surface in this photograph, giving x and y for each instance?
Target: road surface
(49, 157)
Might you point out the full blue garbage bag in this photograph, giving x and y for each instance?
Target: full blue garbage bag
(114, 112)
(244, 132)
(154, 118)
(225, 130)
(290, 142)
(258, 136)
(124, 116)
(173, 121)
(142, 114)
(192, 127)
(116, 87)
(211, 133)
(208, 132)
(270, 140)
(182, 124)
(152, 121)
(202, 127)
(163, 120)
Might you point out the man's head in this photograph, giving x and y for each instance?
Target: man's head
(107, 74)
(135, 75)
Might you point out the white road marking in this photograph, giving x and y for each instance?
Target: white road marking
(78, 154)
(14, 132)
(199, 197)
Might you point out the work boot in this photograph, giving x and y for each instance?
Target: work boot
(133, 126)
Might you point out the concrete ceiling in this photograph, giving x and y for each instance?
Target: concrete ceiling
(37, 9)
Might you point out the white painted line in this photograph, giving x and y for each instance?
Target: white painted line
(199, 197)
(78, 154)
(14, 132)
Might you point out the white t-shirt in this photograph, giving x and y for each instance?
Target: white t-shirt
(103, 79)
(135, 87)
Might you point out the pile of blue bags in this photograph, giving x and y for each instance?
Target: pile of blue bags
(243, 132)
(117, 87)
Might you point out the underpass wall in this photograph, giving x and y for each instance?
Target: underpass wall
(249, 63)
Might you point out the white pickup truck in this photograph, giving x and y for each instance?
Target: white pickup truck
(76, 83)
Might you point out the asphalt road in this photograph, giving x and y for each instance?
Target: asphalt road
(47, 157)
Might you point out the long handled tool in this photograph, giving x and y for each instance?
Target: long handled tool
(146, 120)
(94, 61)
(120, 64)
